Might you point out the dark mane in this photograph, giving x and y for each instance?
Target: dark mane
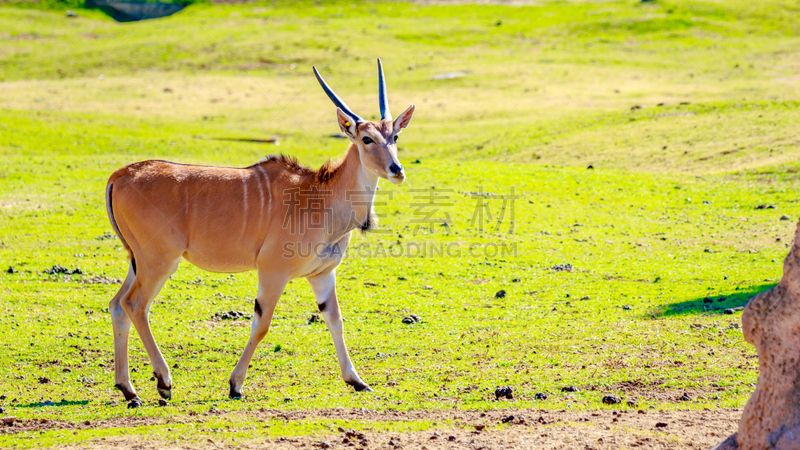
(289, 162)
(324, 174)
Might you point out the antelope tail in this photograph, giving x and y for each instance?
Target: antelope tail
(110, 211)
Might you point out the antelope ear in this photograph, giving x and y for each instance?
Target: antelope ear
(403, 119)
(347, 124)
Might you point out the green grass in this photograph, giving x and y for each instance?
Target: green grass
(666, 217)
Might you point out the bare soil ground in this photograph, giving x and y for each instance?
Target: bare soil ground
(642, 429)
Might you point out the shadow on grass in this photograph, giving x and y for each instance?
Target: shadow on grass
(48, 403)
(718, 303)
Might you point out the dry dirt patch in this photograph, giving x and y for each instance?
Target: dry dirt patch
(599, 430)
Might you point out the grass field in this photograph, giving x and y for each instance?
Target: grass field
(687, 113)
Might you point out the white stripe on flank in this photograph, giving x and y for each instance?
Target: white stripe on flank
(269, 192)
(244, 221)
(261, 197)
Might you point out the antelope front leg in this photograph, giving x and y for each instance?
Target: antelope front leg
(270, 289)
(324, 287)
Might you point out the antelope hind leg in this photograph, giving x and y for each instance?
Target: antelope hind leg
(270, 288)
(122, 326)
(149, 280)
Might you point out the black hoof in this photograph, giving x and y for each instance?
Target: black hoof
(129, 395)
(359, 386)
(134, 403)
(233, 393)
(164, 390)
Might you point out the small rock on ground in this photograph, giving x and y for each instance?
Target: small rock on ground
(412, 318)
(504, 392)
(232, 315)
(562, 268)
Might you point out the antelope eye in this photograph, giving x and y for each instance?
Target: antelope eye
(396, 137)
(367, 140)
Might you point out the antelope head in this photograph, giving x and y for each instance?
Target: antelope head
(376, 141)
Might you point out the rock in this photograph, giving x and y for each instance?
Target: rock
(500, 294)
(44, 380)
(516, 280)
(71, 14)
(479, 427)
(448, 76)
(685, 397)
(626, 307)
(2, 410)
(412, 318)
(729, 311)
(661, 425)
(569, 389)
(58, 268)
(314, 318)
(708, 300)
(9, 421)
(562, 268)
(507, 419)
(11, 269)
(631, 403)
(540, 396)
(769, 322)
(785, 217)
(504, 392)
(611, 400)
(590, 167)
(232, 315)
(728, 444)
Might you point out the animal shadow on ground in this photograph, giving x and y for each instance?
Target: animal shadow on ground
(717, 304)
(49, 403)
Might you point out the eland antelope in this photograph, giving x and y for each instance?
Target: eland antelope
(225, 219)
